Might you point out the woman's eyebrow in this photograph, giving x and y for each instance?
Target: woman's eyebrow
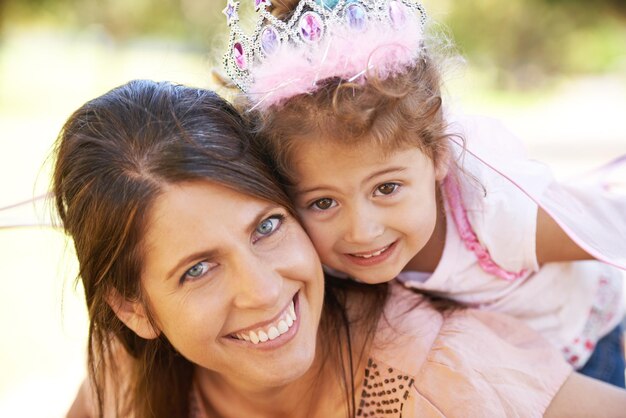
(188, 259)
(263, 213)
(209, 254)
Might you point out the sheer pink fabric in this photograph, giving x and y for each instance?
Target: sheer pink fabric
(464, 363)
(592, 214)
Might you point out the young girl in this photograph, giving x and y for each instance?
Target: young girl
(387, 184)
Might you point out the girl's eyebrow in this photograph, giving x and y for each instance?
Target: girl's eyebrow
(387, 170)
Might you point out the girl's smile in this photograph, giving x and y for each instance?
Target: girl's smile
(372, 258)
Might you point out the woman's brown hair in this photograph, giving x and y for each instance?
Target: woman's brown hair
(113, 156)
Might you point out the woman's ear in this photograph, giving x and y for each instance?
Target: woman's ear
(133, 314)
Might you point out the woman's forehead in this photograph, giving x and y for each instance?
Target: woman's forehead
(203, 203)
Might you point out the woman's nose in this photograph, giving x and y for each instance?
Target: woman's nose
(256, 283)
(363, 225)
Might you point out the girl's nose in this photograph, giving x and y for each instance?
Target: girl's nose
(363, 226)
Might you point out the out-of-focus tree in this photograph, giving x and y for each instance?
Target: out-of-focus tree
(616, 5)
(525, 42)
(123, 20)
(2, 7)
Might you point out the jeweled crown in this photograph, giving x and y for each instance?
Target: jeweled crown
(319, 40)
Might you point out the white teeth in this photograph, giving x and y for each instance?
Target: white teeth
(274, 330)
(292, 311)
(282, 327)
(374, 254)
(273, 333)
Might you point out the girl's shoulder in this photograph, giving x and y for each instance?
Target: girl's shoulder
(494, 201)
(589, 207)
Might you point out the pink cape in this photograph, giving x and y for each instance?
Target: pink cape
(592, 214)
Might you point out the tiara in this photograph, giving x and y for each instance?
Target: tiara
(321, 39)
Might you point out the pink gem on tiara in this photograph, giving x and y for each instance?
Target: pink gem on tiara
(255, 63)
(355, 17)
(239, 56)
(270, 42)
(397, 13)
(259, 3)
(311, 27)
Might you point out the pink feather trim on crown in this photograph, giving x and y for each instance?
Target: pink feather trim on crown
(343, 53)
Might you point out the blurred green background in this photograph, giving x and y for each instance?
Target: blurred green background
(553, 70)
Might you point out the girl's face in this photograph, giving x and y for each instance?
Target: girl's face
(367, 213)
(233, 283)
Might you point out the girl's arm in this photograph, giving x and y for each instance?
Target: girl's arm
(584, 397)
(553, 244)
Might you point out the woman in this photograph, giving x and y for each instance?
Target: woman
(206, 298)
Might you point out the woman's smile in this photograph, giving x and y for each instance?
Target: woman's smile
(273, 333)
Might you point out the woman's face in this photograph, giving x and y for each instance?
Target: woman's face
(233, 282)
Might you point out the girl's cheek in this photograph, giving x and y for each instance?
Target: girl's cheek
(309, 225)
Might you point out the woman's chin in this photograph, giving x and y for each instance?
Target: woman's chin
(278, 372)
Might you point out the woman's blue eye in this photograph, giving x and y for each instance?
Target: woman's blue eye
(196, 271)
(269, 225)
(324, 203)
(386, 188)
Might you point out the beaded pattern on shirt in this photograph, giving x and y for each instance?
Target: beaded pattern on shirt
(385, 391)
(605, 307)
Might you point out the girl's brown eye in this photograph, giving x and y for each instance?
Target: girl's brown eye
(323, 204)
(387, 188)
